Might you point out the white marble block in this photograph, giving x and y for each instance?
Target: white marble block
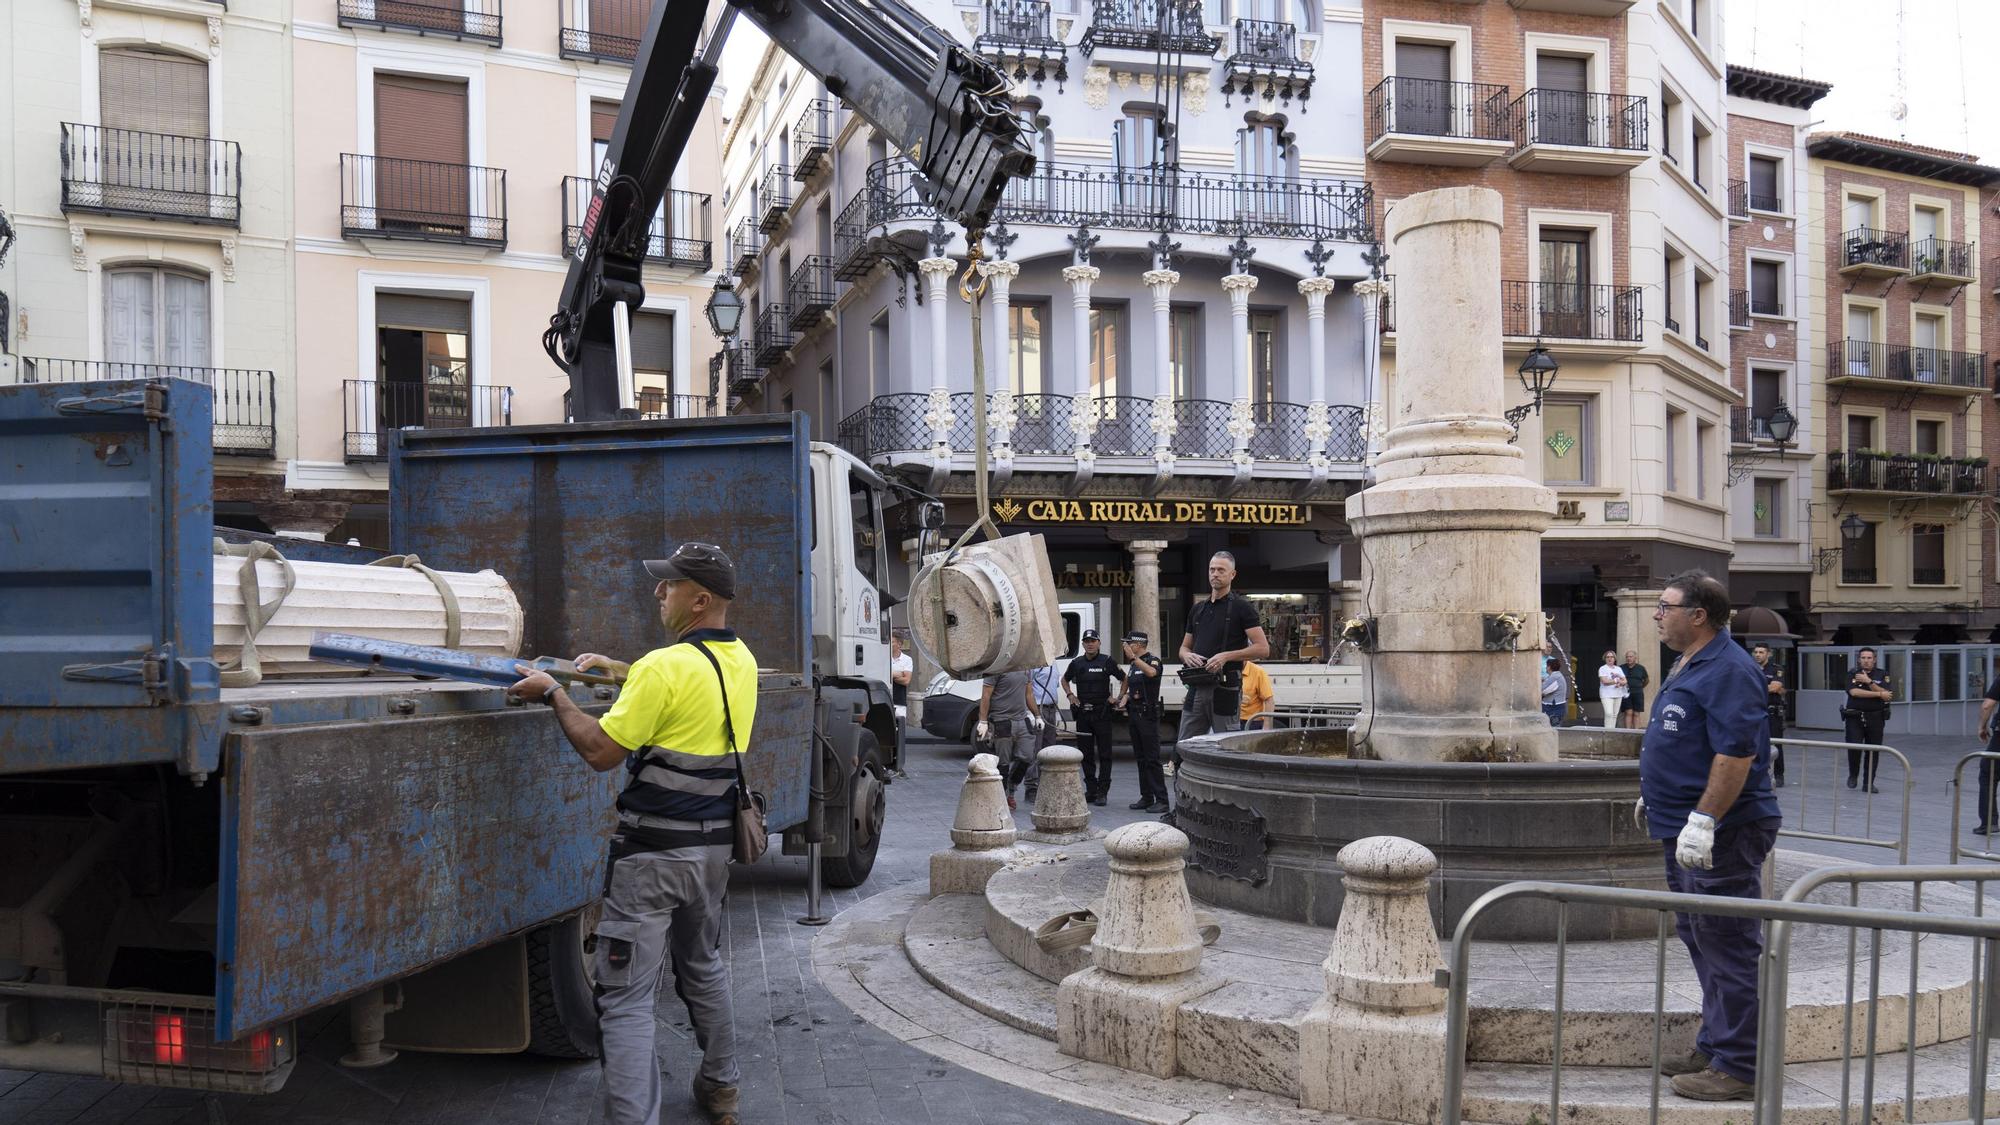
(1061, 815)
(982, 833)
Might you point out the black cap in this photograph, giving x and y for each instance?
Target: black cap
(1090, 634)
(1135, 637)
(704, 564)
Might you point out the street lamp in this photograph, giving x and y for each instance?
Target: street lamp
(1851, 531)
(1783, 424)
(1538, 374)
(724, 309)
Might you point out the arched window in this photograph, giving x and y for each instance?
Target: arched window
(1143, 144)
(155, 316)
(1267, 167)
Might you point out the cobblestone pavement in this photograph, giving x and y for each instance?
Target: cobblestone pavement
(807, 1059)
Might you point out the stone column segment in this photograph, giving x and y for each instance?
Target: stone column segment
(1451, 532)
(1146, 590)
(1000, 401)
(1162, 283)
(937, 275)
(1318, 426)
(982, 833)
(1145, 960)
(1082, 403)
(1373, 416)
(1241, 425)
(1060, 815)
(1374, 1044)
(1637, 633)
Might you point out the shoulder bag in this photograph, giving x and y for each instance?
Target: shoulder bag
(752, 837)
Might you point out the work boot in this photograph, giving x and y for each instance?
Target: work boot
(1694, 1062)
(1712, 1085)
(716, 1101)
(1159, 807)
(1141, 804)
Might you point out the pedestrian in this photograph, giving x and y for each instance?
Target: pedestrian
(1223, 631)
(1141, 703)
(1989, 778)
(1009, 722)
(1869, 694)
(681, 726)
(1087, 681)
(901, 669)
(1610, 688)
(1258, 697)
(1044, 680)
(1774, 700)
(1555, 691)
(1705, 791)
(1632, 711)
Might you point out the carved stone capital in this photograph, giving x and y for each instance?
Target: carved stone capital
(215, 37)
(1320, 286)
(1161, 277)
(229, 259)
(990, 268)
(937, 267)
(1235, 283)
(1096, 84)
(1371, 287)
(1081, 275)
(76, 258)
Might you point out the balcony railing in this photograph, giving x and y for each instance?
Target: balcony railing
(774, 335)
(1941, 257)
(895, 423)
(810, 291)
(1565, 311)
(776, 198)
(736, 364)
(1267, 50)
(1909, 474)
(422, 200)
(660, 404)
(1767, 304)
(151, 175)
(477, 20)
(375, 408)
(1857, 575)
(1869, 248)
(603, 30)
(1739, 199)
(679, 235)
(246, 402)
(1172, 26)
(812, 137)
(1020, 30)
(852, 257)
(1747, 427)
(1581, 120)
(746, 241)
(1062, 194)
(1435, 108)
(1872, 359)
(1767, 203)
(1739, 308)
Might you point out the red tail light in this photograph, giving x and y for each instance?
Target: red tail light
(170, 1040)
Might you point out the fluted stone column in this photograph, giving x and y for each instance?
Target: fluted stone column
(1083, 405)
(999, 277)
(1370, 294)
(1241, 425)
(1318, 428)
(1162, 283)
(1636, 633)
(1146, 589)
(1451, 531)
(937, 275)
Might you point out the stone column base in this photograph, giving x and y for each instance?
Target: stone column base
(1366, 1063)
(964, 871)
(1127, 1022)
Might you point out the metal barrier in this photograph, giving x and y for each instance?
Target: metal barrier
(1957, 798)
(1327, 715)
(1899, 843)
(1769, 1106)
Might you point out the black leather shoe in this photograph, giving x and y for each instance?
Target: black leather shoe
(1982, 830)
(1851, 783)
(1159, 807)
(1098, 801)
(1142, 804)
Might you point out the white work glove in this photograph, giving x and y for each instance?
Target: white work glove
(1639, 814)
(1696, 847)
(1034, 722)
(983, 732)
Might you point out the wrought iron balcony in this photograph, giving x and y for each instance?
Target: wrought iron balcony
(1170, 26)
(1768, 203)
(1739, 308)
(1267, 52)
(1571, 131)
(1428, 120)
(1905, 474)
(810, 291)
(151, 175)
(1857, 575)
(1748, 427)
(852, 253)
(1870, 361)
(1043, 426)
(812, 137)
(736, 364)
(679, 235)
(422, 200)
(1927, 576)
(1019, 30)
(774, 335)
(603, 30)
(1739, 198)
(1868, 251)
(246, 401)
(1769, 304)
(375, 409)
(1064, 194)
(660, 404)
(1942, 261)
(1564, 311)
(776, 198)
(475, 20)
(746, 242)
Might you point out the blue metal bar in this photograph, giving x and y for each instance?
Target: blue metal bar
(446, 663)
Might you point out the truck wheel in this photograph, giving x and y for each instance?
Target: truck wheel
(965, 731)
(562, 1003)
(867, 811)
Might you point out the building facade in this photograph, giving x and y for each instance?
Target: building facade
(1602, 125)
(1175, 312)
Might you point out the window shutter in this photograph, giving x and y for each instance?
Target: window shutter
(152, 92)
(624, 19)
(431, 314)
(603, 119)
(653, 342)
(420, 119)
(128, 316)
(1563, 72)
(185, 342)
(1423, 60)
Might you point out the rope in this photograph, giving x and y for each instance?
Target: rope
(445, 594)
(247, 669)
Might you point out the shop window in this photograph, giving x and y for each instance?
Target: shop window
(1767, 506)
(1927, 554)
(1569, 454)
(1923, 673)
(1294, 624)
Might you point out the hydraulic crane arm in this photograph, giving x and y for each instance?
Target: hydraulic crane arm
(944, 107)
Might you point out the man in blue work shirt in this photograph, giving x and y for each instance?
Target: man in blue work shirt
(1705, 788)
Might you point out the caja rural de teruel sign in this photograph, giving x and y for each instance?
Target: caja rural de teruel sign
(1215, 513)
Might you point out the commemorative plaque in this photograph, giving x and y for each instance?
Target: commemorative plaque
(1225, 840)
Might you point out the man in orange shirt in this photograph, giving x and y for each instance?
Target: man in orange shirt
(1257, 696)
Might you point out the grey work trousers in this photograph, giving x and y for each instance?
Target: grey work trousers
(1016, 747)
(1199, 716)
(655, 902)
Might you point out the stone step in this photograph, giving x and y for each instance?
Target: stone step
(946, 942)
(1608, 1000)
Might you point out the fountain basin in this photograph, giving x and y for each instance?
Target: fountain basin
(1268, 811)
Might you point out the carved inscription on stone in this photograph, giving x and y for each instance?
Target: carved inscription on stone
(1224, 840)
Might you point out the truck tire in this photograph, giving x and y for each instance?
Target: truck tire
(965, 731)
(867, 812)
(562, 1001)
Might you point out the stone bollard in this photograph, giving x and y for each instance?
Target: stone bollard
(1373, 1046)
(982, 833)
(1061, 816)
(1145, 960)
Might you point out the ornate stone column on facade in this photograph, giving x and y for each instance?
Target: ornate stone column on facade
(1162, 283)
(1636, 633)
(1370, 293)
(1083, 405)
(1146, 588)
(1318, 428)
(1000, 277)
(1241, 425)
(937, 275)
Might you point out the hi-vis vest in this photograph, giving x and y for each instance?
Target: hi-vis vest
(694, 779)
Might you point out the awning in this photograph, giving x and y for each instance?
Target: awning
(1757, 621)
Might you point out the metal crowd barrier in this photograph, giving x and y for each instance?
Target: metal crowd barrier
(1330, 715)
(1799, 782)
(1769, 1106)
(1958, 850)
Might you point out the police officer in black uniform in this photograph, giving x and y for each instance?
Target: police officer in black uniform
(1087, 680)
(1869, 694)
(1141, 704)
(1774, 698)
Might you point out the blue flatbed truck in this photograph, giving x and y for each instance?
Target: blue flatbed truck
(190, 868)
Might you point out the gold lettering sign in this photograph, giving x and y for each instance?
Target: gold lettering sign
(1220, 513)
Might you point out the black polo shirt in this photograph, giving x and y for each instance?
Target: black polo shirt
(1143, 691)
(1879, 679)
(1092, 676)
(1221, 626)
